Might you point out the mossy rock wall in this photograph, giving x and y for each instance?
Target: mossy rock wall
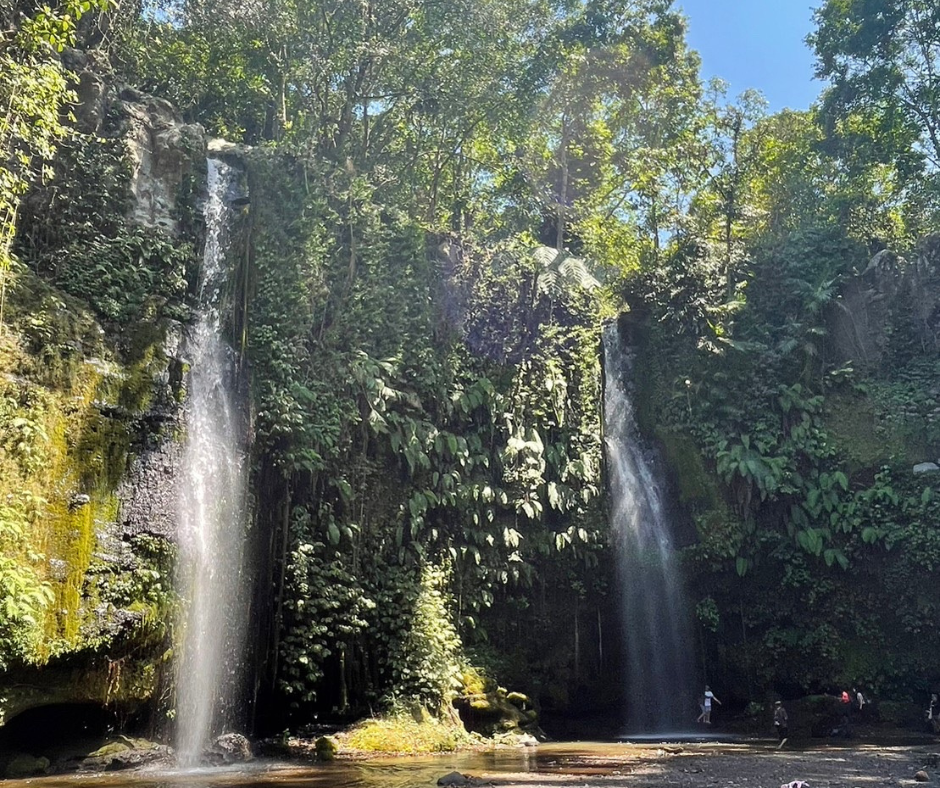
(71, 433)
(91, 397)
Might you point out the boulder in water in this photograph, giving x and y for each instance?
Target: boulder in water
(229, 748)
(527, 740)
(922, 776)
(325, 748)
(458, 779)
(24, 765)
(126, 753)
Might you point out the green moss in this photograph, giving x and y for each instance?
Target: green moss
(853, 426)
(473, 681)
(326, 748)
(66, 429)
(402, 734)
(112, 748)
(698, 488)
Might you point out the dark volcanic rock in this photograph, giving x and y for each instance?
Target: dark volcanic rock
(125, 754)
(23, 765)
(458, 779)
(229, 748)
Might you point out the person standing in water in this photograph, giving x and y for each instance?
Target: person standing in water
(701, 708)
(781, 723)
(707, 711)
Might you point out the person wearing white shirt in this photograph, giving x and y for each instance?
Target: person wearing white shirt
(709, 697)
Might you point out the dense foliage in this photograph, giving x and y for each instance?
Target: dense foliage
(448, 198)
(428, 434)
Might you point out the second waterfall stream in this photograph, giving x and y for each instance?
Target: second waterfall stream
(658, 642)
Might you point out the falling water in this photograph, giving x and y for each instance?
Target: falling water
(211, 509)
(657, 635)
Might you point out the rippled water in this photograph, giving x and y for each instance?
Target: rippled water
(552, 761)
(571, 765)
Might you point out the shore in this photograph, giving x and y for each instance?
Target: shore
(751, 765)
(706, 765)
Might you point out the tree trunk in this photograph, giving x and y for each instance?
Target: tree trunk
(562, 189)
(285, 543)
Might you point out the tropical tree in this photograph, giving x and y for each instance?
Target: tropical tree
(883, 57)
(34, 91)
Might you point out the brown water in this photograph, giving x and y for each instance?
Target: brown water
(584, 759)
(755, 764)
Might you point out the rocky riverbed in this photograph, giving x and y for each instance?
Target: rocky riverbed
(751, 765)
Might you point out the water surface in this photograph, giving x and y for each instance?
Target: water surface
(552, 761)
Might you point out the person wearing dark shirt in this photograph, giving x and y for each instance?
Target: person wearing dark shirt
(781, 723)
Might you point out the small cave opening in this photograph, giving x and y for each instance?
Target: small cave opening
(59, 731)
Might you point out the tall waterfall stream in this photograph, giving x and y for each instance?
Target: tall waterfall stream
(658, 639)
(212, 509)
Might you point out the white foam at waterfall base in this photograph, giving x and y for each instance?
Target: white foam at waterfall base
(658, 642)
(211, 511)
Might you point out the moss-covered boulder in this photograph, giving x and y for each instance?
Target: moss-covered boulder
(326, 748)
(125, 753)
(497, 712)
(24, 765)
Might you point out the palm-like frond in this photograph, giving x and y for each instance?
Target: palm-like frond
(562, 272)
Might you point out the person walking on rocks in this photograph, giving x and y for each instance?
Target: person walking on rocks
(781, 723)
(859, 702)
(707, 711)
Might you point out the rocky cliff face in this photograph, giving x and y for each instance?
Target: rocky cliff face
(885, 327)
(92, 383)
(892, 294)
(162, 150)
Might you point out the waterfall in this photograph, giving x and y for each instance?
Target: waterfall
(212, 518)
(658, 640)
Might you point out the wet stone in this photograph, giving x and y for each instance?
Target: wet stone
(458, 779)
(229, 748)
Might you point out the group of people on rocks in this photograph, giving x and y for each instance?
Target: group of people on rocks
(856, 701)
(854, 706)
(781, 719)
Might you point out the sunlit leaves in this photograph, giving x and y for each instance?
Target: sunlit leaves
(24, 596)
(33, 92)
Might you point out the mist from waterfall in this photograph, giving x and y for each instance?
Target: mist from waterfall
(658, 642)
(212, 518)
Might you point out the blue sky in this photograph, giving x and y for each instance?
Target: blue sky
(756, 44)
